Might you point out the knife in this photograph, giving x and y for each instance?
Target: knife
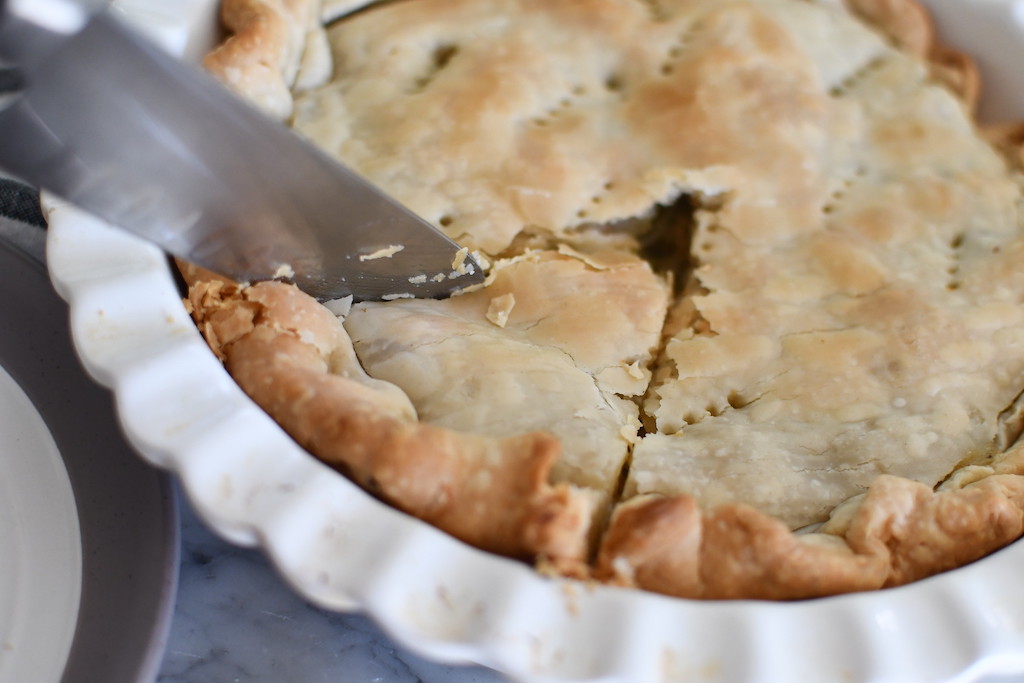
(110, 122)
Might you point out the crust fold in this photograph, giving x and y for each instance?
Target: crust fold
(273, 45)
(905, 22)
(1009, 140)
(909, 26)
(292, 357)
(898, 532)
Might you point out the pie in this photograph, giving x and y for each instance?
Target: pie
(753, 325)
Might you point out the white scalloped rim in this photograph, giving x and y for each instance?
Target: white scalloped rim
(339, 547)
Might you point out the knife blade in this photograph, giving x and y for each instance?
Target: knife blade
(110, 122)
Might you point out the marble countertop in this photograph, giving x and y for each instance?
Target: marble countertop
(236, 620)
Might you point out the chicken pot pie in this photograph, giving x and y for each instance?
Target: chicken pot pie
(753, 325)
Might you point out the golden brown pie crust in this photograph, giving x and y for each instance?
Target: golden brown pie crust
(900, 531)
(293, 358)
(297, 361)
(274, 46)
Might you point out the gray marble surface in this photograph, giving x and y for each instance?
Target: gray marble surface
(236, 620)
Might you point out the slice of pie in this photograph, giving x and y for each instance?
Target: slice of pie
(753, 324)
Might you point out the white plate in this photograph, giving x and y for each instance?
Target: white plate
(342, 549)
(88, 533)
(40, 545)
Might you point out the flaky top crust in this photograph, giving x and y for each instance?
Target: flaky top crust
(293, 358)
(524, 123)
(854, 290)
(552, 342)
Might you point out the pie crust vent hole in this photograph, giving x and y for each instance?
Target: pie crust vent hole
(736, 400)
(565, 102)
(732, 401)
(848, 83)
(613, 83)
(954, 267)
(675, 51)
(598, 197)
(839, 193)
(656, 12)
(439, 59)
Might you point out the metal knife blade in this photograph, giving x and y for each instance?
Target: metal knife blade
(111, 123)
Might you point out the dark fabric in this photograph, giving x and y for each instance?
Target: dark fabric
(20, 202)
(17, 200)
(10, 80)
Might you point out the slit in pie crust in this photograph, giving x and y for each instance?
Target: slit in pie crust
(801, 380)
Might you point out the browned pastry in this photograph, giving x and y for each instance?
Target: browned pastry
(900, 531)
(908, 25)
(292, 356)
(1009, 139)
(905, 22)
(274, 46)
(829, 403)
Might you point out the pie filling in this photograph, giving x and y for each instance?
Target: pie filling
(751, 265)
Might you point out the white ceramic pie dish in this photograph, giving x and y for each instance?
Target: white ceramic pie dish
(344, 550)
